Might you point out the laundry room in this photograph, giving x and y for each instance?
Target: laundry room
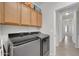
(35, 28)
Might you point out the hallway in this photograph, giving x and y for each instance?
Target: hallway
(67, 48)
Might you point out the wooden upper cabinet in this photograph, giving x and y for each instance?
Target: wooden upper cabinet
(20, 14)
(26, 15)
(34, 18)
(12, 13)
(39, 21)
(1, 12)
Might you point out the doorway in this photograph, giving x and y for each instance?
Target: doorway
(66, 32)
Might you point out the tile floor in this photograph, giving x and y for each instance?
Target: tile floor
(67, 48)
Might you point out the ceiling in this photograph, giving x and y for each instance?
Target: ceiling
(68, 8)
(51, 4)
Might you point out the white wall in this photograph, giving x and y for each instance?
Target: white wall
(74, 33)
(49, 24)
(77, 19)
(75, 28)
(0, 35)
(0, 32)
(59, 28)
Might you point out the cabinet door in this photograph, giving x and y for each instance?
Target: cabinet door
(34, 18)
(39, 19)
(26, 14)
(12, 13)
(1, 12)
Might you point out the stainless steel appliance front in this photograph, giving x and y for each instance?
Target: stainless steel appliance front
(28, 49)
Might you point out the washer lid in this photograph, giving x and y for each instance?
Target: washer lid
(23, 38)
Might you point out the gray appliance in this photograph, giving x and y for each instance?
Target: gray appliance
(25, 44)
(44, 42)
